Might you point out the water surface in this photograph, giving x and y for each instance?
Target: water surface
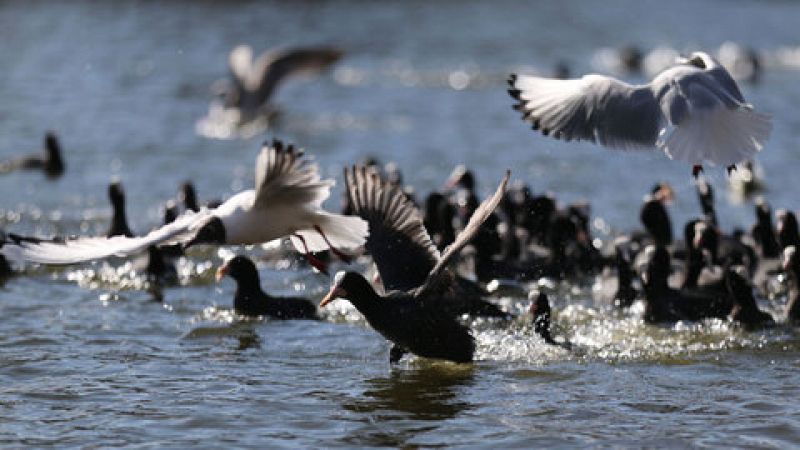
(86, 358)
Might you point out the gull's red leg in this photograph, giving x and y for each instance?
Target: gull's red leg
(337, 252)
(316, 263)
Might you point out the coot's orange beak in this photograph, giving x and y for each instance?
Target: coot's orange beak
(333, 294)
(221, 272)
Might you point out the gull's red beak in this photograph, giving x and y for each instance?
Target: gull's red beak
(332, 295)
(221, 272)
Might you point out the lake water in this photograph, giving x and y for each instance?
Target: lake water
(86, 359)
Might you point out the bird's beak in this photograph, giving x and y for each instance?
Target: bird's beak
(333, 294)
(221, 272)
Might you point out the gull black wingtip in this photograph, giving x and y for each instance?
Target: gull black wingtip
(516, 93)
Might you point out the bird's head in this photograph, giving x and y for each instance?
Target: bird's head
(349, 285)
(330, 56)
(790, 259)
(212, 232)
(51, 145)
(460, 177)
(240, 268)
(701, 60)
(116, 194)
(188, 196)
(170, 212)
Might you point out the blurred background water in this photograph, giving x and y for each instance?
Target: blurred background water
(86, 360)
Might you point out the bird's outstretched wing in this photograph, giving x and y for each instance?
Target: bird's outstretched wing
(462, 239)
(274, 66)
(284, 176)
(240, 64)
(398, 241)
(594, 108)
(82, 249)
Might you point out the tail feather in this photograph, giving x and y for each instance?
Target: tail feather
(343, 232)
(723, 136)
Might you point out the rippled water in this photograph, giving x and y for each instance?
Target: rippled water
(87, 358)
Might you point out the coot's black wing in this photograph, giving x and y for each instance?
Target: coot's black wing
(398, 241)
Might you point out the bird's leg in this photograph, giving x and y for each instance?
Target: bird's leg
(316, 263)
(395, 354)
(731, 169)
(337, 252)
(696, 170)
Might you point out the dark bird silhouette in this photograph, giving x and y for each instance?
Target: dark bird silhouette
(705, 194)
(119, 220)
(540, 312)
(665, 304)
(398, 243)
(5, 268)
(251, 300)
(745, 309)
(626, 293)
(412, 315)
(187, 195)
(51, 163)
(158, 268)
(654, 215)
(763, 232)
(788, 233)
(791, 264)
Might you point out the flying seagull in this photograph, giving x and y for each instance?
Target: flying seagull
(692, 111)
(254, 81)
(287, 201)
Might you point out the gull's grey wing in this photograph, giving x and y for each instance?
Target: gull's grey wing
(398, 241)
(284, 176)
(70, 251)
(478, 217)
(594, 108)
(274, 66)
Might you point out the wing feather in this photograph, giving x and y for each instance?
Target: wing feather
(272, 67)
(594, 108)
(71, 251)
(284, 176)
(398, 241)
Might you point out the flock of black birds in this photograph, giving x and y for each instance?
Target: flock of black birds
(437, 262)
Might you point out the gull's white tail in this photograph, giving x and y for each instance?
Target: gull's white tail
(342, 232)
(721, 136)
